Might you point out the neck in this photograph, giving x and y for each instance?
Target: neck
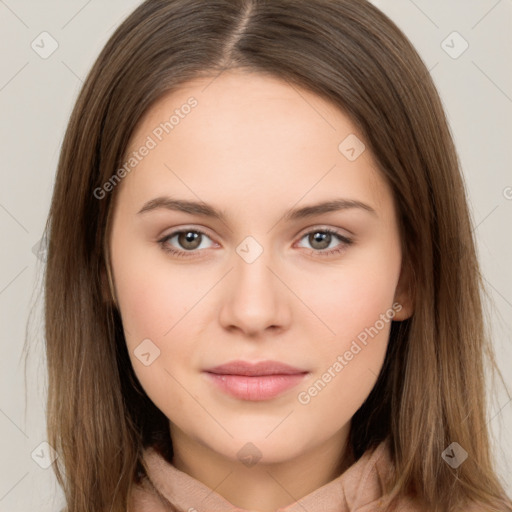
(263, 487)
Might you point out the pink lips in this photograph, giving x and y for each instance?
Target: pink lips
(256, 382)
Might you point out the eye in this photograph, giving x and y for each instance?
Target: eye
(321, 238)
(189, 239)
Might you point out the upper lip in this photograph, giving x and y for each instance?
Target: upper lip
(254, 369)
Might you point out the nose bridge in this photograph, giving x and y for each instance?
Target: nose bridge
(251, 268)
(254, 300)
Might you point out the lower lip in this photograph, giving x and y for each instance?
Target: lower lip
(257, 388)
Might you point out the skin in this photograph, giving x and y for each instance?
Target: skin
(255, 147)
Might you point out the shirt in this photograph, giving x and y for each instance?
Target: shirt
(358, 489)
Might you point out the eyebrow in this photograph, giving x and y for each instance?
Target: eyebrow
(206, 210)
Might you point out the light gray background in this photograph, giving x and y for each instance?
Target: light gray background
(36, 98)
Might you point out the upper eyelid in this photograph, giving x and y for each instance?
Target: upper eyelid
(338, 231)
(175, 232)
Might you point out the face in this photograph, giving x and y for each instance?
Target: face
(269, 278)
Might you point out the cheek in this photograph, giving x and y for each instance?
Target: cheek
(154, 297)
(154, 306)
(353, 297)
(357, 306)
(161, 303)
(348, 363)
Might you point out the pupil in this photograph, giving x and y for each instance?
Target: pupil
(321, 238)
(190, 239)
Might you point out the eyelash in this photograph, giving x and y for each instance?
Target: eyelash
(188, 254)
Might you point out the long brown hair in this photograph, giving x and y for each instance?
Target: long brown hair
(431, 390)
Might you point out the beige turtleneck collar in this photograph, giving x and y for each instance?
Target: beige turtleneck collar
(358, 489)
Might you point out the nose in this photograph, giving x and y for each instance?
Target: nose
(255, 300)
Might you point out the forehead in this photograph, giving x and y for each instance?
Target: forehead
(237, 103)
(241, 134)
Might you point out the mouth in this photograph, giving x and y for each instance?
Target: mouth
(255, 382)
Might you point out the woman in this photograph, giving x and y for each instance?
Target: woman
(255, 372)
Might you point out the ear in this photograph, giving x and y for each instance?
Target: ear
(404, 293)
